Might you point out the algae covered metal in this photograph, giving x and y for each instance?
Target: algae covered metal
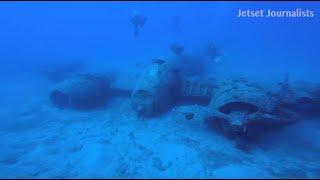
(156, 90)
(240, 108)
(83, 92)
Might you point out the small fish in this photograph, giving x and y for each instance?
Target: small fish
(143, 95)
(188, 116)
(158, 61)
(177, 49)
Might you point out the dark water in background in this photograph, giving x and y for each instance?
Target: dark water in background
(100, 34)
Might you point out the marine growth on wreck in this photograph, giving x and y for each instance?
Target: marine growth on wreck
(158, 90)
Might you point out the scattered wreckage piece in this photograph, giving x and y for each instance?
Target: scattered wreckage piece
(196, 90)
(243, 110)
(301, 97)
(156, 90)
(82, 92)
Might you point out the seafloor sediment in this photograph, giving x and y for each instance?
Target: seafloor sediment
(113, 142)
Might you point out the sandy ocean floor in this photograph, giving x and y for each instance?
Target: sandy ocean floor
(45, 142)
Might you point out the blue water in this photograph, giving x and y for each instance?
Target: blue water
(39, 140)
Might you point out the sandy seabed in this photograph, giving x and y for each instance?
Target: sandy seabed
(46, 142)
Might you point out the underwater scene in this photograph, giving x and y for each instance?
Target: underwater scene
(160, 89)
